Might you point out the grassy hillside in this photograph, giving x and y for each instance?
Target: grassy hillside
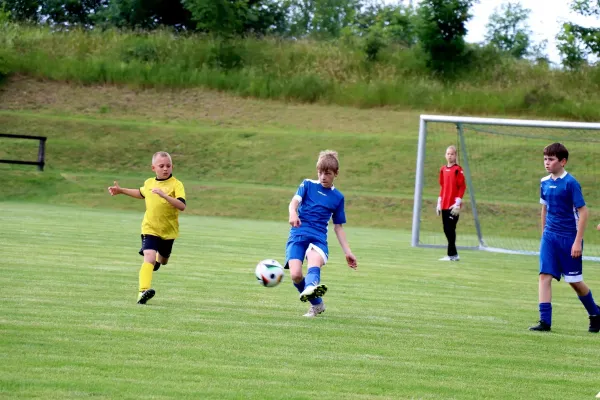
(244, 157)
(315, 72)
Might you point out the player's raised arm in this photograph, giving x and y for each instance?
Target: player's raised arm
(178, 203)
(116, 189)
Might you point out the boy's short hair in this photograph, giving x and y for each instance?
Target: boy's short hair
(558, 150)
(161, 154)
(328, 161)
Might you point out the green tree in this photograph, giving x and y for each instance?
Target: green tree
(442, 34)
(322, 18)
(220, 17)
(395, 23)
(507, 29)
(575, 42)
(22, 10)
(71, 12)
(227, 18)
(144, 14)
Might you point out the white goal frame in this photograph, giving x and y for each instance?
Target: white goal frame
(459, 121)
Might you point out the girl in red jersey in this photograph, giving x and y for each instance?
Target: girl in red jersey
(452, 189)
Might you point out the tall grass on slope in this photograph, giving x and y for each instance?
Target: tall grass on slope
(306, 71)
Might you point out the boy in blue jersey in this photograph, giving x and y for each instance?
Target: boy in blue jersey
(311, 208)
(564, 216)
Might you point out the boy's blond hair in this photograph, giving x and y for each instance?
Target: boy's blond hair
(453, 147)
(328, 161)
(161, 154)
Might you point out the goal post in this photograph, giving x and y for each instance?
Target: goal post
(41, 157)
(502, 161)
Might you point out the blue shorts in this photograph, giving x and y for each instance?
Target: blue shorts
(297, 247)
(556, 260)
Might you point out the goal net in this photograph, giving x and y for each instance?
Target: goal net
(503, 163)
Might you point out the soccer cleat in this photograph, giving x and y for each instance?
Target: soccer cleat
(313, 311)
(594, 323)
(313, 292)
(156, 266)
(541, 327)
(145, 296)
(450, 258)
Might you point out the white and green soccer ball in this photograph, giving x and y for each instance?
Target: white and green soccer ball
(269, 273)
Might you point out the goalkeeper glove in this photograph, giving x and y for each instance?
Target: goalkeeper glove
(455, 209)
(438, 208)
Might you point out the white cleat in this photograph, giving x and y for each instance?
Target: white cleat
(450, 258)
(313, 292)
(313, 311)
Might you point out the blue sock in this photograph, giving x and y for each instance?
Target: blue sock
(589, 304)
(316, 301)
(300, 286)
(546, 313)
(313, 276)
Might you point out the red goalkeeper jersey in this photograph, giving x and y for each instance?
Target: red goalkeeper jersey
(452, 185)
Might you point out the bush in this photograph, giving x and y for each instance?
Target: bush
(4, 69)
(140, 49)
(373, 44)
(225, 55)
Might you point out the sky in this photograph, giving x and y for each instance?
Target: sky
(545, 20)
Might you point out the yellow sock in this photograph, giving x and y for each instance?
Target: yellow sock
(146, 276)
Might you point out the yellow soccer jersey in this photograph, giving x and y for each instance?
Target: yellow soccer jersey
(161, 218)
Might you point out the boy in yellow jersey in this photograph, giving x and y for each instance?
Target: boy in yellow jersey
(165, 198)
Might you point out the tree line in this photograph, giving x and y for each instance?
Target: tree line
(438, 27)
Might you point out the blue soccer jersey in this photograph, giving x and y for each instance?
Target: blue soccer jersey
(562, 197)
(317, 206)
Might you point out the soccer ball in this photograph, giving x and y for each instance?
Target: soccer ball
(269, 273)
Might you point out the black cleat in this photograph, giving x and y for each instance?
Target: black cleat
(145, 296)
(541, 327)
(594, 323)
(156, 266)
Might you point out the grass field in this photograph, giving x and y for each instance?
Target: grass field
(403, 326)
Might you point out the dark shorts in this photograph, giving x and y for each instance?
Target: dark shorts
(163, 246)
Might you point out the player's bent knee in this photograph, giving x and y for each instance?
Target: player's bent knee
(149, 256)
(315, 256)
(162, 260)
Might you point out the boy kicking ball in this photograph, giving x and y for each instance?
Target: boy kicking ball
(311, 208)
